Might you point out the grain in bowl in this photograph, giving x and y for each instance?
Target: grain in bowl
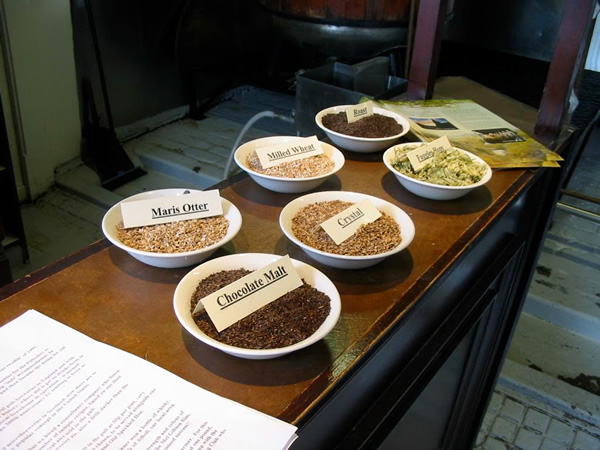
(313, 166)
(187, 287)
(285, 321)
(371, 245)
(175, 237)
(373, 238)
(289, 177)
(180, 256)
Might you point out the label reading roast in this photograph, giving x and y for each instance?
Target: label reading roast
(359, 111)
(300, 148)
(423, 155)
(241, 298)
(344, 224)
(172, 208)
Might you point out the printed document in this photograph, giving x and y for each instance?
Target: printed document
(60, 389)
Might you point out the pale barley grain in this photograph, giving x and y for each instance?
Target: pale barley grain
(373, 238)
(175, 237)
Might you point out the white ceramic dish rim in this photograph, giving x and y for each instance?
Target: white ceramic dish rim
(391, 151)
(230, 211)
(407, 230)
(340, 108)
(336, 156)
(253, 261)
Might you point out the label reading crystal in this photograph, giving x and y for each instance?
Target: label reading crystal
(172, 208)
(276, 154)
(423, 155)
(344, 224)
(241, 298)
(359, 111)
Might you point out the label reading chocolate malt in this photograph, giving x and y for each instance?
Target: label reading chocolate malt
(300, 148)
(423, 155)
(172, 208)
(241, 298)
(359, 111)
(343, 225)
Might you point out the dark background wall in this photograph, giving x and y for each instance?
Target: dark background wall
(159, 55)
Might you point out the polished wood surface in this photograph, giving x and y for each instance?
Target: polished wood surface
(116, 299)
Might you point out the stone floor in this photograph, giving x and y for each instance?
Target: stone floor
(531, 409)
(516, 421)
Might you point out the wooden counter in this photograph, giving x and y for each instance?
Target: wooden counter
(421, 336)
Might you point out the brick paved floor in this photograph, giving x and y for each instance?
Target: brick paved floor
(514, 421)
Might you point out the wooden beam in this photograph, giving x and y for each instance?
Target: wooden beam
(572, 40)
(426, 49)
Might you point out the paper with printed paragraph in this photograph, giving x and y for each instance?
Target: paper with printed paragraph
(62, 389)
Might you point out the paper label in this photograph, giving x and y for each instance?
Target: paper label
(241, 298)
(300, 148)
(173, 208)
(357, 112)
(343, 225)
(423, 156)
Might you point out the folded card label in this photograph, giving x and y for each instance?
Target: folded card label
(300, 148)
(241, 298)
(359, 111)
(343, 225)
(423, 155)
(173, 208)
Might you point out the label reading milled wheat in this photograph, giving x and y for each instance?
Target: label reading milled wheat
(276, 154)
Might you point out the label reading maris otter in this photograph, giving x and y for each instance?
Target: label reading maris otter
(423, 155)
(344, 224)
(293, 150)
(171, 208)
(359, 111)
(241, 298)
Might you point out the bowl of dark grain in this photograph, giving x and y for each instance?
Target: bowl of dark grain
(367, 135)
(300, 221)
(175, 244)
(451, 175)
(292, 322)
(293, 176)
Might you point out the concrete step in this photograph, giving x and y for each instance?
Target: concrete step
(540, 354)
(566, 284)
(557, 338)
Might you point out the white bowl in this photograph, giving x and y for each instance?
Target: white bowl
(359, 144)
(280, 184)
(430, 190)
(407, 228)
(169, 260)
(252, 261)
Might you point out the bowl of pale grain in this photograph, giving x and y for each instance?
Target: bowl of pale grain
(289, 323)
(289, 177)
(301, 219)
(173, 244)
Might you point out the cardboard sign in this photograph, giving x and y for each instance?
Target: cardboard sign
(171, 208)
(300, 148)
(359, 111)
(344, 224)
(423, 155)
(241, 298)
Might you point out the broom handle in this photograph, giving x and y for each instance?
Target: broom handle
(92, 25)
